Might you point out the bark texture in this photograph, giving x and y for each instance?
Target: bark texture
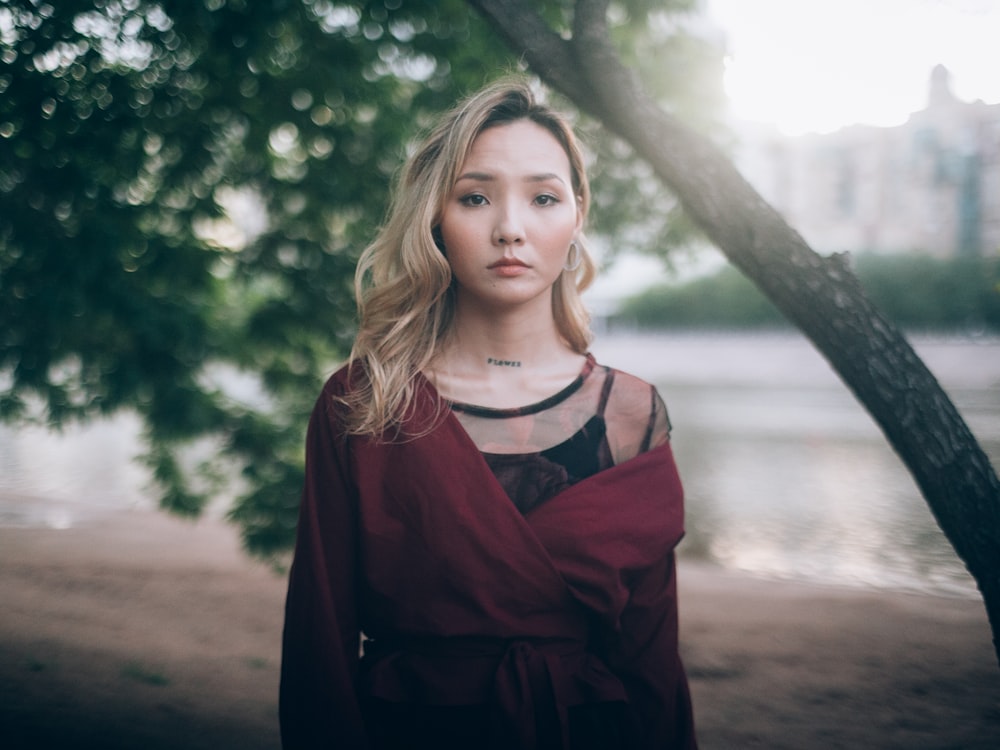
(818, 294)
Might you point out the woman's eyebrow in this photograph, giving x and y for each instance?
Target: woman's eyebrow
(477, 176)
(543, 177)
(487, 177)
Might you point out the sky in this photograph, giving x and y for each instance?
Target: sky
(818, 65)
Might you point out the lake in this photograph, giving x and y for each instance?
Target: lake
(785, 473)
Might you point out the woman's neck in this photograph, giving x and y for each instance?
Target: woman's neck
(503, 360)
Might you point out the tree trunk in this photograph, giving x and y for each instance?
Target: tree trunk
(819, 295)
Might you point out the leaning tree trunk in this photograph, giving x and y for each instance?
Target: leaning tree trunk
(819, 295)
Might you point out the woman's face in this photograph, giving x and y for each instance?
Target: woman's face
(510, 217)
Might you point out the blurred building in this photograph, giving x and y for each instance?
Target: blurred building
(929, 185)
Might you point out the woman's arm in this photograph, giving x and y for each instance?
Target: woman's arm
(645, 657)
(320, 649)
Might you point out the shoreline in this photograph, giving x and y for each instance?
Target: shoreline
(136, 629)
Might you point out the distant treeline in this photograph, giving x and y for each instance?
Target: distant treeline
(917, 292)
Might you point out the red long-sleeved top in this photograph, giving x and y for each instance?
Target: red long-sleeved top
(469, 602)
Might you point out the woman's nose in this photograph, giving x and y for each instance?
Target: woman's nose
(509, 229)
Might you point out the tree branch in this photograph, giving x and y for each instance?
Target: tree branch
(526, 32)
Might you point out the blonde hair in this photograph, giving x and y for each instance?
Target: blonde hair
(403, 282)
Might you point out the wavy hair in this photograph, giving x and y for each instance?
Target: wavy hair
(403, 283)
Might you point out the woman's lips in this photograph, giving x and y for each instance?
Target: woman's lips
(508, 267)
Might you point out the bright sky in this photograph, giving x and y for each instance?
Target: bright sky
(817, 65)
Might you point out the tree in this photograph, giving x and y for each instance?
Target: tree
(184, 190)
(819, 295)
(132, 134)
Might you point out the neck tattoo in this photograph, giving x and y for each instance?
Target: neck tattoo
(503, 362)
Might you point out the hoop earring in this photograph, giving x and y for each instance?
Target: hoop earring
(577, 257)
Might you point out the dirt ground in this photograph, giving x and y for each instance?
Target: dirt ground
(136, 630)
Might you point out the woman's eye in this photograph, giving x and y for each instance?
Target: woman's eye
(546, 200)
(473, 199)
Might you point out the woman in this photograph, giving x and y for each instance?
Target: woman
(493, 510)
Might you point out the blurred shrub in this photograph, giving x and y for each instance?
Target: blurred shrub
(916, 291)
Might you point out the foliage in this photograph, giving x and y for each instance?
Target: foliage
(921, 292)
(130, 128)
(184, 189)
(724, 299)
(916, 291)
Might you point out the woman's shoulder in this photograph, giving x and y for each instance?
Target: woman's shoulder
(349, 376)
(330, 395)
(349, 389)
(634, 409)
(620, 373)
(340, 379)
(627, 384)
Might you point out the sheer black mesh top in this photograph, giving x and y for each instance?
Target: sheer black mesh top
(604, 417)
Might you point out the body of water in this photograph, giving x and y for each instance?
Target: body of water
(785, 473)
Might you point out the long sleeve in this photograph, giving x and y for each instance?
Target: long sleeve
(645, 653)
(318, 700)
(645, 658)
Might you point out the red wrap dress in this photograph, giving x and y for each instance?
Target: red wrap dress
(507, 599)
